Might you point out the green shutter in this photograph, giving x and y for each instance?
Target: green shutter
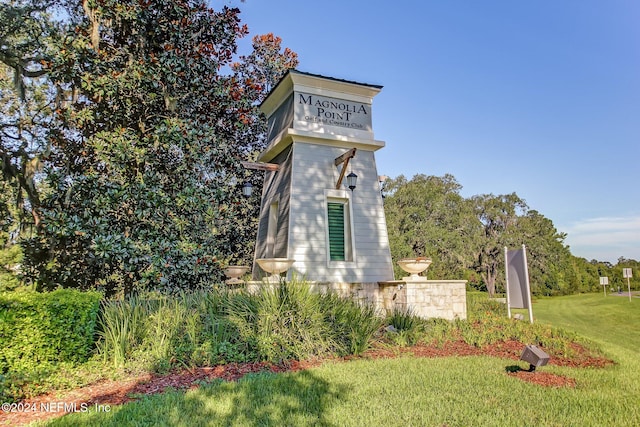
(336, 231)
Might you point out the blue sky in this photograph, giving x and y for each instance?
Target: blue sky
(538, 98)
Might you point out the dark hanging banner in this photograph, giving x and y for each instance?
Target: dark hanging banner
(517, 275)
(518, 280)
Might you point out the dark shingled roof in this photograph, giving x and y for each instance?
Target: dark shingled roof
(332, 78)
(320, 76)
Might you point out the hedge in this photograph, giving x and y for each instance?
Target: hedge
(37, 328)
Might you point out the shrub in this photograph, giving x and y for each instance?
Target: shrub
(37, 328)
(402, 319)
(288, 321)
(408, 328)
(156, 331)
(40, 333)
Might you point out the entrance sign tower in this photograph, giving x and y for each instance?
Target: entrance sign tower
(313, 211)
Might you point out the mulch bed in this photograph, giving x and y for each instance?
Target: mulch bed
(110, 393)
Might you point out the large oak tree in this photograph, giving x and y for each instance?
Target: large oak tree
(151, 120)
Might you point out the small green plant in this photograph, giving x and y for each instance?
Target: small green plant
(353, 323)
(121, 329)
(283, 323)
(403, 319)
(404, 327)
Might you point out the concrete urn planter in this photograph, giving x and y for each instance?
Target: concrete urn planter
(414, 266)
(233, 273)
(274, 266)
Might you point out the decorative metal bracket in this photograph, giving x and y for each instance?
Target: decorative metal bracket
(344, 159)
(261, 166)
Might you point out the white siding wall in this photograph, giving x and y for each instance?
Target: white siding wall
(312, 174)
(276, 189)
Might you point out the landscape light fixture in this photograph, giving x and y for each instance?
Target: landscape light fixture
(351, 181)
(247, 189)
(535, 356)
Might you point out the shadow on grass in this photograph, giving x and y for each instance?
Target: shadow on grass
(300, 398)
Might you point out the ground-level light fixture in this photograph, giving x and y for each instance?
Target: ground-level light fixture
(535, 356)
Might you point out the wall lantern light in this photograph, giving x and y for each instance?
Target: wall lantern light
(247, 189)
(351, 181)
(381, 180)
(344, 161)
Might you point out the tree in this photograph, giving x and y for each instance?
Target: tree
(144, 169)
(427, 216)
(549, 259)
(498, 216)
(27, 34)
(264, 66)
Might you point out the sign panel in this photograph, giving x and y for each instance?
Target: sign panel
(325, 111)
(626, 273)
(604, 280)
(517, 279)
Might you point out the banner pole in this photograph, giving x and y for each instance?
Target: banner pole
(526, 275)
(506, 278)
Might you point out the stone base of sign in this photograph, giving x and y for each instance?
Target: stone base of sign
(445, 299)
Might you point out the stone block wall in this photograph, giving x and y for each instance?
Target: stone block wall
(445, 299)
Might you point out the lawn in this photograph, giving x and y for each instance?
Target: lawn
(612, 320)
(409, 391)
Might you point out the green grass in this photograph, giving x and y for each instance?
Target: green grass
(453, 391)
(612, 320)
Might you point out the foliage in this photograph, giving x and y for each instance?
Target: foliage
(407, 328)
(40, 330)
(498, 216)
(55, 327)
(27, 36)
(146, 142)
(466, 237)
(157, 332)
(291, 322)
(283, 323)
(402, 319)
(10, 258)
(427, 216)
(417, 391)
(352, 323)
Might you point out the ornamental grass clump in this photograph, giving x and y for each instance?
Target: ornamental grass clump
(405, 327)
(281, 323)
(353, 323)
(156, 332)
(203, 328)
